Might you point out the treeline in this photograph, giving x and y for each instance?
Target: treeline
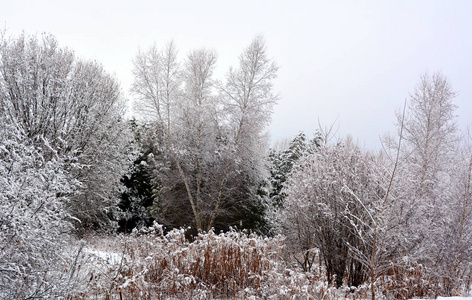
(197, 156)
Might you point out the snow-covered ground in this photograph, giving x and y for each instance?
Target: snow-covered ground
(110, 257)
(448, 298)
(462, 298)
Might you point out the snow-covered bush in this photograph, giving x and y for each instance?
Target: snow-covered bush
(325, 190)
(34, 223)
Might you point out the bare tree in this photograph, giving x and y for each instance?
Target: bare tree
(248, 100)
(430, 143)
(249, 97)
(411, 220)
(429, 130)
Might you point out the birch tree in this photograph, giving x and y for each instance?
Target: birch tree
(212, 133)
(459, 250)
(430, 143)
(411, 219)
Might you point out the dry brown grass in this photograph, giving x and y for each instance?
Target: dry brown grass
(233, 265)
(150, 265)
(407, 281)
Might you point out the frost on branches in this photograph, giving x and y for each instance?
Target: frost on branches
(34, 221)
(62, 153)
(389, 217)
(325, 189)
(212, 133)
(49, 94)
(281, 162)
(434, 179)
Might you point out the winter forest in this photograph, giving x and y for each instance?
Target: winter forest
(186, 199)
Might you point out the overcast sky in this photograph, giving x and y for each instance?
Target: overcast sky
(353, 62)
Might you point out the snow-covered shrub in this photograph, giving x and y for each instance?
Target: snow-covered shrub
(34, 224)
(331, 196)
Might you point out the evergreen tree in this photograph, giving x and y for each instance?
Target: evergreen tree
(137, 197)
(282, 161)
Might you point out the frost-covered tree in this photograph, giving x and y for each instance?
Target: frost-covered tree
(137, 198)
(248, 100)
(212, 135)
(427, 168)
(77, 107)
(429, 131)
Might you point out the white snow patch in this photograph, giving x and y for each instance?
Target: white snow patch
(111, 257)
(461, 298)
(447, 298)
